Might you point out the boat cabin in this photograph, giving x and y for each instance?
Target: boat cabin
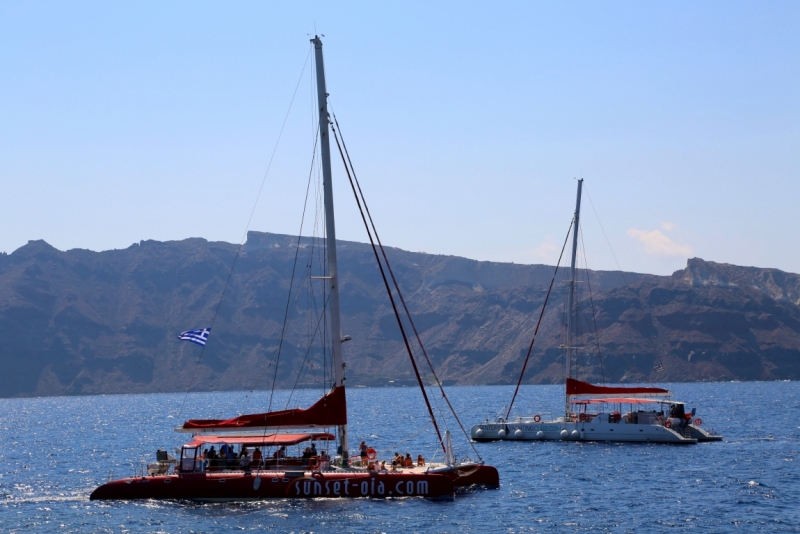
(630, 410)
(244, 452)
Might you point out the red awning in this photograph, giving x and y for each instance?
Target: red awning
(330, 410)
(261, 441)
(631, 400)
(576, 387)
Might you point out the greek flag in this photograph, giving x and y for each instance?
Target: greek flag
(196, 336)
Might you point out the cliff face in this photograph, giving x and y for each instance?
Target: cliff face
(80, 322)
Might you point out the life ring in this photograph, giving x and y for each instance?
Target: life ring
(582, 416)
(537, 418)
(371, 454)
(313, 462)
(668, 423)
(698, 422)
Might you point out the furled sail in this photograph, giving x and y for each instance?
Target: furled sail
(330, 410)
(576, 387)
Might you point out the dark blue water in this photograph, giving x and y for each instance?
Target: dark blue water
(54, 451)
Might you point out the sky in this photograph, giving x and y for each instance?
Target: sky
(468, 124)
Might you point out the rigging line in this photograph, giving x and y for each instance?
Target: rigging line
(397, 286)
(294, 387)
(317, 313)
(305, 359)
(622, 274)
(396, 445)
(291, 282)
(389, 291)
(289, 311)
(594, 315)
(247, 227)
(399, 293)
(539, 322)
(630, 364)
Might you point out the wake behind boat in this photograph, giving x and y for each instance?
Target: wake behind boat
(258, 456)
(593, 412)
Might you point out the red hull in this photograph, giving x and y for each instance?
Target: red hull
(251, 486)
(479, 475)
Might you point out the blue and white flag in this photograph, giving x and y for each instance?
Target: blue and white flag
(659, 367)
(196, 336)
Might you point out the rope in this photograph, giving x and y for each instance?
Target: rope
(291, 281)
(400, 295)
(396, 446)
(389, 291)
(594, 315)
(539, 322)
(247, 228)
(622, 274)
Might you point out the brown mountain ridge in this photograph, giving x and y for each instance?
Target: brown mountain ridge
(83, 322)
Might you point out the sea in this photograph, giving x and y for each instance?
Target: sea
(54, 451)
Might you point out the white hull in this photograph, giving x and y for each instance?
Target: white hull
(526, 429)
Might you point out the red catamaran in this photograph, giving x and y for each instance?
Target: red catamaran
(272, 470)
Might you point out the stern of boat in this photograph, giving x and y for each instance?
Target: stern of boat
(702, 435)
(465, 475)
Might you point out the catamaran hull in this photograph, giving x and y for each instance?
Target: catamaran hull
(220, 487)
(466, 475)
(580, 431)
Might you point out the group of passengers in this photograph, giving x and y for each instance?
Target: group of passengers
(399, 461)
(406, 461)
(227, 458)
(310, 452)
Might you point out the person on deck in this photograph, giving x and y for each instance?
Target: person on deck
(203, 460)
(280, 453)
(211, 458)
(420, 460)
(257, 457)
(244, 459)
(363, 452)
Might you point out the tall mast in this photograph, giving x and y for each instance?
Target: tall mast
(573, 276)
(330, 226)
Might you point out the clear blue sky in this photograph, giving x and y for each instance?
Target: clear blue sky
(467, 123)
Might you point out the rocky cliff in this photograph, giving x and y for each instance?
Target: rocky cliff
(82, 322)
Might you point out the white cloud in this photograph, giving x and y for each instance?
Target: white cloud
(657, 244)
(546, 251)
(668, 226)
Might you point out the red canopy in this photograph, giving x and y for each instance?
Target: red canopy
(261, 441)
(330, 410)
(631, 400)
(576, 387)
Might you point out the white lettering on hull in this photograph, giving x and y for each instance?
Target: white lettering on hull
(309, 487)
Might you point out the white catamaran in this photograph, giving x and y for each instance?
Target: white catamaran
(599, 413)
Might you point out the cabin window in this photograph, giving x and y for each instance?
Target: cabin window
(188, 456)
